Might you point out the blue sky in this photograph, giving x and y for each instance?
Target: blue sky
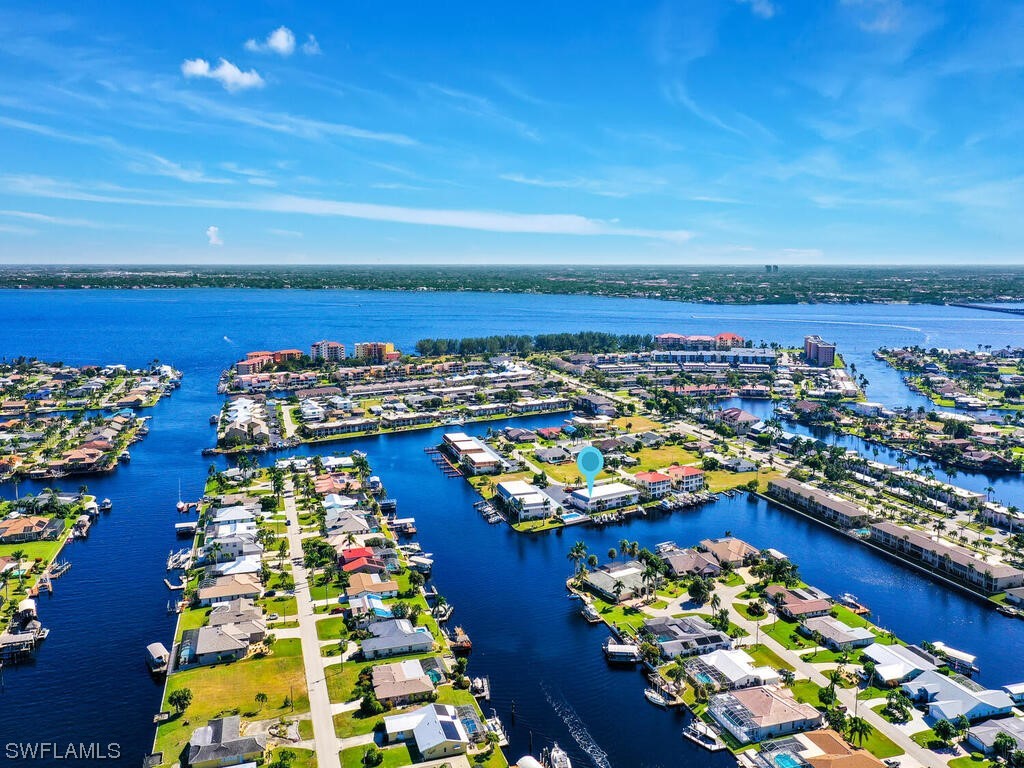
(697, 131)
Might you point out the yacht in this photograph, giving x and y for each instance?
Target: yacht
(106, 505)
(558, 757)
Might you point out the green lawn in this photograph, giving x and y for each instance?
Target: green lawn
(927, 739)
(304, 758)
(880, 745)
(807, 692)
(536, 526)
(765, 656)
(975, 760)
(619, 615)
(743, 610)
(568, 472)
(231, 688)
(660, 458)
(331, 629)
(394, 757)
(354, 724)
(785, 633)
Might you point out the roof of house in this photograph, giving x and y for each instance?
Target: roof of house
(402, 678)
(652, 477)
(836, 753)
(729, 548)
(431, 725)
(895, 662)
(395, 633)
(949, 698)
(769, 707)
(220, 740)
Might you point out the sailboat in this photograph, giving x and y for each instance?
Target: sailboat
(182, 506)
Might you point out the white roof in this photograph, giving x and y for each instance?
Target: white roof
(736, 665)
(894, 662)
(606, 491)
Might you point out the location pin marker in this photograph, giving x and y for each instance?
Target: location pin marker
(590, 462)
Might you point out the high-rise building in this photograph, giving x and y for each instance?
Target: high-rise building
(819, 352)
(327, 350)
(377, 351)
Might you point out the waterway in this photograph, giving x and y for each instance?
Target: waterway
(89, 683)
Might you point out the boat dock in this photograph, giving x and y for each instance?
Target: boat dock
(185, 530)
(480, 687)
(959, 661)
(703, 735)
(181, 559)
(489, 511)
(442, 462)
(620, 653)
(403, 526)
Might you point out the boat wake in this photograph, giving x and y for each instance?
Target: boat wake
(229, 341)
(579, 731)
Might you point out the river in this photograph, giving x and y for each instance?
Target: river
(88, 682)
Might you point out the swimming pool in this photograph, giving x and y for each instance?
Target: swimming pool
(786, 760)
(704, 677)
(573, 517)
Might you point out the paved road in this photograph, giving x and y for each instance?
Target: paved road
(327, 744)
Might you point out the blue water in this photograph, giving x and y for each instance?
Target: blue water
(89, 683)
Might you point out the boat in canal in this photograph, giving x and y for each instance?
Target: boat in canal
(157, 658)
(850, 601)
(655, 698)
(124, 456)
(588, 612)
(460, 641)
(620, 653)
(106, 505)
(558, 758)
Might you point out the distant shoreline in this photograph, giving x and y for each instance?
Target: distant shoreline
(730, 286)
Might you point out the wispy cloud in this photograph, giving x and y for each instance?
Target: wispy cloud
(628, 183)
(227, 74)
(677, 93)
(213, 235)
(59, 221)
(311, 47)
(281, 41)
(137, 160)
(766, 9)
(285, 233)
(482, 107)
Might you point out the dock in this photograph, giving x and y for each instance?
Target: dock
(480, 687)
(181, 559)
(442, 462)
(703, 735)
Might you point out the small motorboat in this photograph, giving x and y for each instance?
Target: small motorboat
(589, 613)
(655, 698)
(124, 455)
(106, 505)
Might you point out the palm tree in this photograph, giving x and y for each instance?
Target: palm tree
(716, 602)
(618, 588)
(612, 554)
(261, 699)
(19, 555)
(859, 728)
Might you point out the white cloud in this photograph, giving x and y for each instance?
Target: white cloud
(281, 41)
(227, 74)
(285, 233)
(42, 218)
(764, 8)
(311, 47)
(213, 235)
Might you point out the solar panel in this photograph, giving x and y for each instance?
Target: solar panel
(449, 729)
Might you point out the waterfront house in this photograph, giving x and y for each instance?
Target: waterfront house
(211, 645)
(604, 497)
(947, 697)
(730, 550)
(526, 501)
(755, 714)
(737, 419)
(690, 562)
(814, 749)
(946, 559)
(220, 743)
(371, 584)
(244, 614)
(896, 664)
(685, 478)
(685, 636)
(840, 512)
(594, 405)
(226, 588)
(401, 682)
(603, 580)
(653, 485)
(436, 730)
(837, 635)
(394, 637)
(982, 737)
(799, 603)
(16, 530)
(729, 669)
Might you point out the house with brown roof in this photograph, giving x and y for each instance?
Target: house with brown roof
(372, 584)
(401, 682)
(222, 589)
(802, 603)
(31, 528)
(818, 749)
(755, 714)
(730, 550)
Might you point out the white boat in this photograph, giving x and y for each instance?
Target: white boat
(589, 612)
(655, 698)
(124, 455)
(106, 505)
(558, 757)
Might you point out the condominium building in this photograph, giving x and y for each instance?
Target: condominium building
(327, 350)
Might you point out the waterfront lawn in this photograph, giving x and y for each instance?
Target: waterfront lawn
(765, 656)
(620, 615)
(331, 629)
(723, 480)
(785, 633)
(191, 619)
(394, 757)
(35, 550)
(536, 526)
(231, 688)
